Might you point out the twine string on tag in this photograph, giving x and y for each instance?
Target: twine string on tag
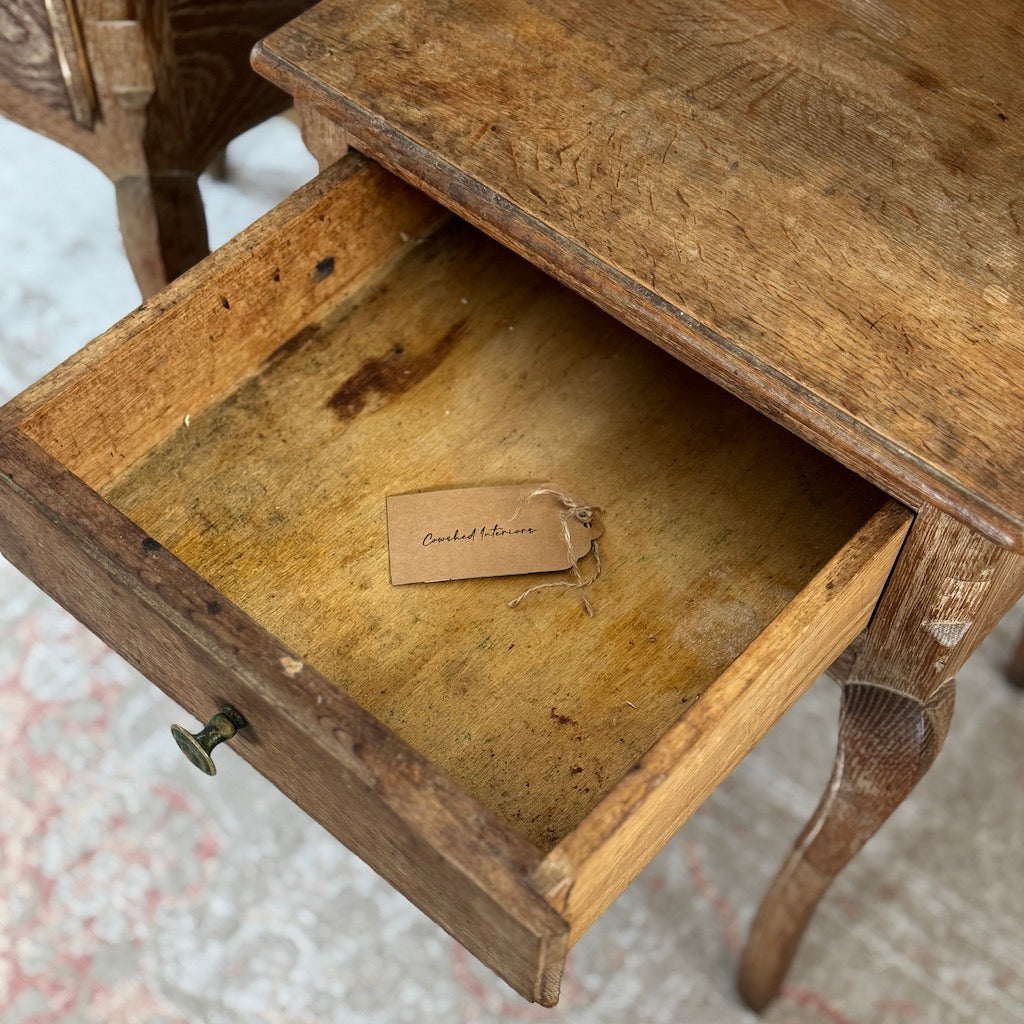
(571, 509)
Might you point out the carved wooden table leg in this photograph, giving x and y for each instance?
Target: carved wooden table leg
(949, 588)
(149, 93)
(163, 225)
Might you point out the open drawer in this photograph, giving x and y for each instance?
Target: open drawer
(204, 486)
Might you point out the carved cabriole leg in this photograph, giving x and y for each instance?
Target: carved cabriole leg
(163, 226)
(948, 589)
(886, 743)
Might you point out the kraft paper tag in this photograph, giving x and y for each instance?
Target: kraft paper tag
(482, 531)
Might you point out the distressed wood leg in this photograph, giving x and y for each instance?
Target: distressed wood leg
(948, 589)
(163, 225)
(886, 743)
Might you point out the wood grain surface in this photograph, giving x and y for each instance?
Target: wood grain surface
(465, 366)
(1015, 669)
(129, 389)
(584, 873)
(150, 93)
(206, 93)
(28, 54)
(815, 203)
(322, 136)
(366, 343)
(451, 857)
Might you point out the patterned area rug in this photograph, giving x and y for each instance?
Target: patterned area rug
(135, 891)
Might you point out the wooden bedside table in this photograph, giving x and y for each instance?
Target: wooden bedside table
(204, 484)
(819, 209)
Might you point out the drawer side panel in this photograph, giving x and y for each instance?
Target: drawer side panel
(135, 384)
(587, 871)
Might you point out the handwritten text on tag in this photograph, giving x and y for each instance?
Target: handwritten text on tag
(482, 531)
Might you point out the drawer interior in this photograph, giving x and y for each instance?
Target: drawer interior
(426, 356)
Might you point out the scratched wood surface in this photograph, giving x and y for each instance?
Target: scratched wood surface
(453, 859)
(588, 869)
(463, 366)
(816, 203)
(129, 389)
(126, 391)
(205, 87)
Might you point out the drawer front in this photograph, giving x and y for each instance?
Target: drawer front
(384, 802)
(203, 486)
(585, 872)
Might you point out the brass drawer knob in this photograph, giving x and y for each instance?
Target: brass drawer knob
(197, 747)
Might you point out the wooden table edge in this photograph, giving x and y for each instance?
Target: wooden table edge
(864, 451)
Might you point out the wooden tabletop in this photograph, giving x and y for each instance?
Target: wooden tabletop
(819, 204)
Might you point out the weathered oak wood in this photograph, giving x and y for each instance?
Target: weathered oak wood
(28, 54)
(74, 64)
(163, 226)
(948, 589)
(112, 402)
(816, 204)
(1015, 670)
(41, 53)
(388, 804)
(589, 868)
(420, 384)
(150, 93)
(322, 136)
(358, 342)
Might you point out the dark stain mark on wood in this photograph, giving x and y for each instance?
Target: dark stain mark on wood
(224, 302)
(562, 719)
(149, 545)
(323, 269)
(294, 344)
(390, 375)
(213, 607)
(922, 76)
